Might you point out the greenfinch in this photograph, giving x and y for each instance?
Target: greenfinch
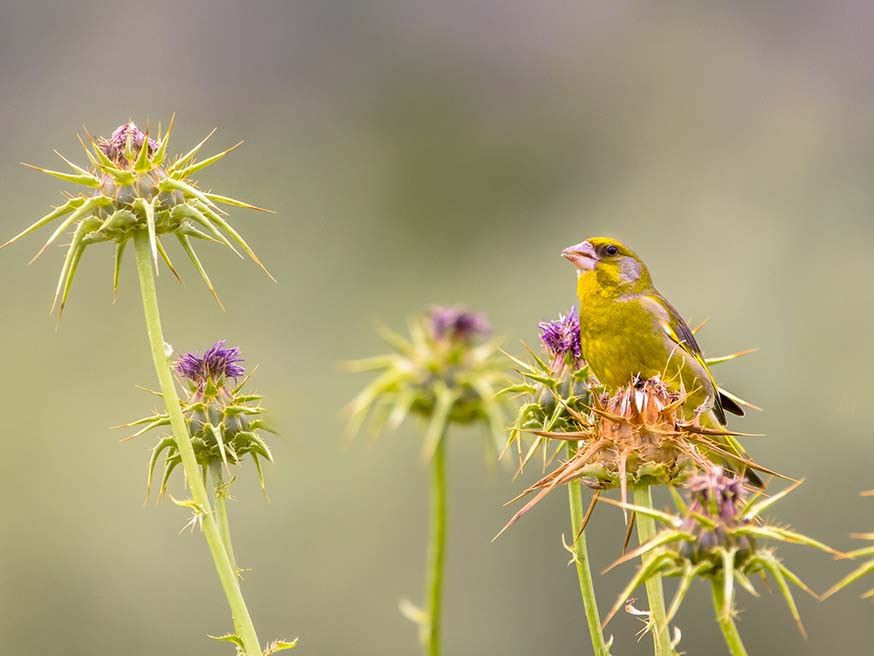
(629, 331)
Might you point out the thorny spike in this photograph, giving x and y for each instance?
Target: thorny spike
(92, 203)
(161, 152)
(199, 166)
(116, 273)
(192, 255)
(66, 208)
(149, 210)
(164, 256)
(73, 166)
(142, 163)
(237, 203)
(71, 263)
(196, 215)
(182, 161)
(87, 180)
(227, 227)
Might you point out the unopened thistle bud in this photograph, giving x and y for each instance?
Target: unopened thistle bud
(134, 187)
(446, 371)
(224, 422)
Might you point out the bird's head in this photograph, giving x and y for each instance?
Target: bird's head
(611, 262)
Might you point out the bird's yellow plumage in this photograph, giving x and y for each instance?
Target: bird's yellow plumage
(629, 330)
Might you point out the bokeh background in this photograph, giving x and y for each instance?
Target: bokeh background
(421, 153)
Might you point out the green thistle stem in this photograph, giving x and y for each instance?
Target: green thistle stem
(726, 622)
(436, 549)
(219, 496)
(220, 556)
(646, 531)
(581, 558)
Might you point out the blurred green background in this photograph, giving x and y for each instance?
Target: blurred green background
(421, 153)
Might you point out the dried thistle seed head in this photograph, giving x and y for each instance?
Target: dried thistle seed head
(225, 422)
(445, 371)
(134, 188)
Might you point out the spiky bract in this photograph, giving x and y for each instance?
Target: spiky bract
(444, 371)
(717, 535)
(134, 187)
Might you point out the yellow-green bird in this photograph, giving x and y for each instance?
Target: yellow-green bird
(629, 330)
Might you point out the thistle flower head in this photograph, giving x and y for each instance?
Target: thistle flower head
(443, 371)
(133, 188)
(637, 436)
(216, 364)
(457, 324)
(561, 338)
(225, 422)
(718, 535)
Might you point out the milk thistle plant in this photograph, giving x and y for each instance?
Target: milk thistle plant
(445, 372)
(862, 570)
(137, 194)
(637, 437)
(719, 536)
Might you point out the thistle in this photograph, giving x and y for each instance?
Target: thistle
(223, 421)
(555, 393)
(446, 372)
(137, 195)
(717, 535)
(133, 186)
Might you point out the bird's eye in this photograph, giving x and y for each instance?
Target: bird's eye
(611, 250)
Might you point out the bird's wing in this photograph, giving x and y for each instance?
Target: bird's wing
(678, 331)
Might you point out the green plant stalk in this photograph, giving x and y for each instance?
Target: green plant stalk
(436, 549)
(646, 531)
(219, 496)
(224, 567)
(581, 558)
(726, 622)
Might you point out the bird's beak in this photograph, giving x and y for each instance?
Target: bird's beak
(582, 256)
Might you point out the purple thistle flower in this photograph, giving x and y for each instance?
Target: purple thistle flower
(217, 362)
(457, 324)
(716, 494)
(562, 336)
(114, 147)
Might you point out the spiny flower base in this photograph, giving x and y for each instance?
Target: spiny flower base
(636, 437)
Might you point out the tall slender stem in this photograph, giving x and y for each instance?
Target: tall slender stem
(646, 530)
(219, 499)
(581, 558)
(726, 622)
(227, 575)
(436, 549)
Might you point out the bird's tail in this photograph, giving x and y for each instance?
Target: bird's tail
(730, 444)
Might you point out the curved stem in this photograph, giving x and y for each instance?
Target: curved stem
(223, 566)
(726, 622)
(581, 558)
(646, 531)
(436, 549)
